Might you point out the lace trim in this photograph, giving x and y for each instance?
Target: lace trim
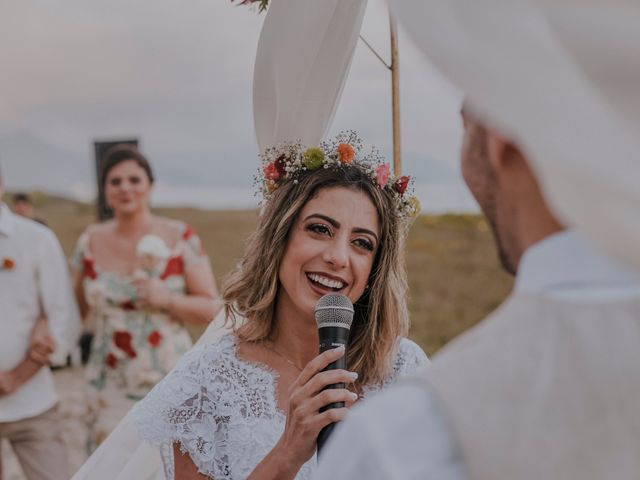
(223, 412)
(408, 358)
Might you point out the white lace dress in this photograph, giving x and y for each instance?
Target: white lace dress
(223, 411)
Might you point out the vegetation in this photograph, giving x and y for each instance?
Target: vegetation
(454, 276)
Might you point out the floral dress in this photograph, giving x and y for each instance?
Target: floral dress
(223, 411)
(133, 348)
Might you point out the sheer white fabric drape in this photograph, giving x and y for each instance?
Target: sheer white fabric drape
(561, 78)
(303, 60)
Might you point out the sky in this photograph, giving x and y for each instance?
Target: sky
(177, 75)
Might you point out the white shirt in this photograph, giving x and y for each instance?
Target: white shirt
(38, 284)
(568, 266)
(402, 433)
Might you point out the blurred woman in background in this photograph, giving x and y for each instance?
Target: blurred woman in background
(139, 279)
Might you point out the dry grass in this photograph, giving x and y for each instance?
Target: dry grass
(455, 279)
(454, 275)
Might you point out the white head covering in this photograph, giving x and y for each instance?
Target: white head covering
(561, 78)
(303, 60)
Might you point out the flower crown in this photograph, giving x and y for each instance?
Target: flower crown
(287, 161)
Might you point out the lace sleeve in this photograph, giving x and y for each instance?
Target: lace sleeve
(188, 408)
(409, 358)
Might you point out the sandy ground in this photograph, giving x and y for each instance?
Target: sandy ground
(71, 390)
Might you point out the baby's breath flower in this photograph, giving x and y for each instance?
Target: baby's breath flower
(289, 160)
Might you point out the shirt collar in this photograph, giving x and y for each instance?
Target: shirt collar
(569, 260)
(6, 220)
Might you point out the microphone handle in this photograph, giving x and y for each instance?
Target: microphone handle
(332, 337)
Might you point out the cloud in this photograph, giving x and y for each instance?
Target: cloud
(178, 76)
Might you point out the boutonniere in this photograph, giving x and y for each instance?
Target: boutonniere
(7, 264)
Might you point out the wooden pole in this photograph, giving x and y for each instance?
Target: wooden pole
(395, 95)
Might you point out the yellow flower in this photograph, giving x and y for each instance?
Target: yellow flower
(271, 186)
(415, 206)
(313, 158)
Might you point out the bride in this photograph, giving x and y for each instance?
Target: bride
(248, 404)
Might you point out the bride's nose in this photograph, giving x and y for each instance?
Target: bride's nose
(337, 253)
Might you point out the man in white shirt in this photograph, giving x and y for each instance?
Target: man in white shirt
(35, 293)
(546, 387)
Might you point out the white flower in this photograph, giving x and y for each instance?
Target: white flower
(139, 273)
(151, 250)
(153, 246)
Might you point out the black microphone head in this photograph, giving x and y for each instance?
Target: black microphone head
(334, 310)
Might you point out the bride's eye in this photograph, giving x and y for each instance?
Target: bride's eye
(364, 243)
(319, 228)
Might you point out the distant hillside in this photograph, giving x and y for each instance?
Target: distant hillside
(454, 275)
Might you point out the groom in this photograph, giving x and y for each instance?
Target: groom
(546, 387)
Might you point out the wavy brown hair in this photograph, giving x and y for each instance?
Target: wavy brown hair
(381, 314)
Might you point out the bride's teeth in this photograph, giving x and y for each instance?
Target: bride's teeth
(325, 281)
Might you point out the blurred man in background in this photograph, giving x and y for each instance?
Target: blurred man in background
(35, 297)
(22, 205)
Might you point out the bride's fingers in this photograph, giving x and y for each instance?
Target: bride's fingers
(333, 415)
(330, 377)
(331, 395)
(318, 363)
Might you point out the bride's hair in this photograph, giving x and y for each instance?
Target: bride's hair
(381, 314)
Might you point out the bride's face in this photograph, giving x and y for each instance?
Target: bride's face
(331, 249)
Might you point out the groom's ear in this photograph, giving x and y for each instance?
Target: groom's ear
(497, 147)
(505, 158)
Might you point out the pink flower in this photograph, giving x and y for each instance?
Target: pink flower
(271, 172)
(382, 174)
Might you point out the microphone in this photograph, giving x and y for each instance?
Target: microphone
(334, 314)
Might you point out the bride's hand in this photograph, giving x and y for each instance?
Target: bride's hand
(306, 398)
